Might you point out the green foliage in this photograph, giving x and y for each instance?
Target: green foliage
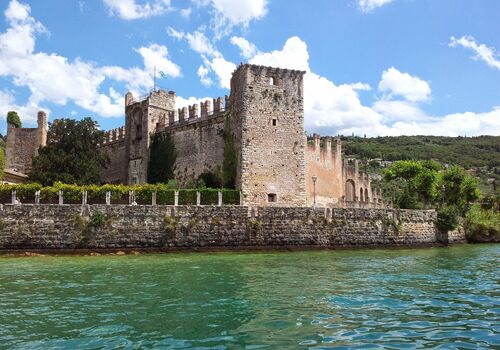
(230, 157)
(73, 194)
(447, 218)
(170, 224)
(97, 219)
(13, 119)
(467, 152)
(187, 197)
(422, 184)
(482, 225)
(211, 179)
(71, 155)
(161, 158)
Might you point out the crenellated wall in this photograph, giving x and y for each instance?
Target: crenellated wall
(325, 164)
(168, 227)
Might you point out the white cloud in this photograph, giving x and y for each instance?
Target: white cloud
(213, 61)
(52, 78)
(483, 52)
(247, 48)
(226, 14)
(370, 5)
(186, 12)
(403, 84)
(130, 9)
(27, 112)
(332, 109)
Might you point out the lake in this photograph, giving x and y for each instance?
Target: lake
(445, 298)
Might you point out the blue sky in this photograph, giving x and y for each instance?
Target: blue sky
(374, 67)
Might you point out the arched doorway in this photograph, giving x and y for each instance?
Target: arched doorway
(350, 191)
(367, 199)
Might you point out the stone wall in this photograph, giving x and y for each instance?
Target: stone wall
(172, 227)
(326, 165)
(22, 145)
(268, 120)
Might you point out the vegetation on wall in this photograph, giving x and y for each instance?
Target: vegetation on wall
(482, 224)
(13, 119)
(72, 154)
(230, 157)
(162, 158)
(73, 194)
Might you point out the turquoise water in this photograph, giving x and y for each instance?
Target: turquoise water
(446, 298)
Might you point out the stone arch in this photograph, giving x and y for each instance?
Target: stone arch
(361, 197)
(367, 198)
(350, 191)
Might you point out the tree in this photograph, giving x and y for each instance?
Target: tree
(458, 188)
(13, 119)
(161, 158)
(71, 155)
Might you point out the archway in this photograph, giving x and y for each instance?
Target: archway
(367, 198)
(350, 191)
(361, 194)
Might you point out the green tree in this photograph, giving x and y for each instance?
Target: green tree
(161, 158)
(13, 119)
(457, 188)
(71, 155)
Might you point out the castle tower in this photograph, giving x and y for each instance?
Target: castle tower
(267, 121)
(141, 119)
(42, 129)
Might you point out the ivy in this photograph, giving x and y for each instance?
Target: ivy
(161, 158)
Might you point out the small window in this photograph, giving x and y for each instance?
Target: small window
(275, 122)
(271, 197)
(271, 81)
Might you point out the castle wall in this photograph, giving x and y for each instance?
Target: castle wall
(268, 122)
(326, 165)
(114, 147)
(168, 227)
(22, 145)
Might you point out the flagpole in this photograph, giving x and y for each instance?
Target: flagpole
(154, 79)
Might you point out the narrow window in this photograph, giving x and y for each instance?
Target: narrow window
(271, 81)
(271, 197)
(274, 122)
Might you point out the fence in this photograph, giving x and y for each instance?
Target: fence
(132, 197)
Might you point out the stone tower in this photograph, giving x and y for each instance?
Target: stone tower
(142, 116)
(267, 121)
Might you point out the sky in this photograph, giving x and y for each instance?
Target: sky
(373, 67)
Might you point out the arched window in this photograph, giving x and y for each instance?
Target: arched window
(367, 199)
(350, 192)
(272, 81)
(361, 195)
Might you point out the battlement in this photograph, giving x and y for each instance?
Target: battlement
(326, 148)
(194, 113)
(114, 135)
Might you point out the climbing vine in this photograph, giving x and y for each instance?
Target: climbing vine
(161, 158)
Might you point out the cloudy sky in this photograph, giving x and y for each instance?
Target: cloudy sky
(374, 67)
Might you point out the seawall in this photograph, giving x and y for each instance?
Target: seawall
(180, 227)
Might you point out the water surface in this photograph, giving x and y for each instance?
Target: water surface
(446, 298)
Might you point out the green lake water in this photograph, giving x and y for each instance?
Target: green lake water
(446, 298)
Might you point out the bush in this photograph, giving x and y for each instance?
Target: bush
(230, 197)
(447, 218)
(209, 196)
(187, 197)
(165, 197)
(482, 225)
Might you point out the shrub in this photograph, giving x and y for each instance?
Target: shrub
(447, 218)
(230, 197)
(187, 197)
(482, 225)
(97, 219)
(209, 196)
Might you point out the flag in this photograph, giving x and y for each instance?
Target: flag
(163, 75)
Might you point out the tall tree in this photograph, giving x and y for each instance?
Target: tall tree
(13, 119)
(71, 155)
(161, 158)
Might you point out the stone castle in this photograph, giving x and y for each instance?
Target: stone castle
(264, 115)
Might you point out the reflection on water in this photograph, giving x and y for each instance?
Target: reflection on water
(422, 298)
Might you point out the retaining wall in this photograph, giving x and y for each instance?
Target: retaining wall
(123, 226)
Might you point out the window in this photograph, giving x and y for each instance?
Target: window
(271, 197)
(271, 81)
(138, 132)
(275, 122)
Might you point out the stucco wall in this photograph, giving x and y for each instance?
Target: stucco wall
(66, 227)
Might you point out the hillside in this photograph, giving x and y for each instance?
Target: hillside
(480, 154)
